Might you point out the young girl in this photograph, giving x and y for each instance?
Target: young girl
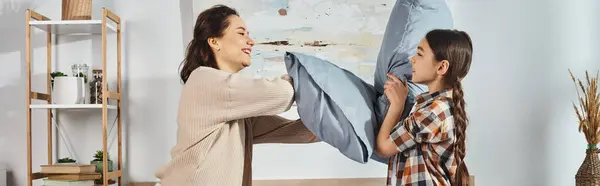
(428, 147)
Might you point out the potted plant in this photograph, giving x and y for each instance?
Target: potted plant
(588, 115)
(55, 74)
(98, 156)
(66, 161)
(68, 90)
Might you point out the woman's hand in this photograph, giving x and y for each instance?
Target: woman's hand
(395, 90)
(286, 77)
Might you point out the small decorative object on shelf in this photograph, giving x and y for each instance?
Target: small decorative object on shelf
(66, 160)
(68, 90)
(66, 169)
(56, 74)
(77, 9)
(98, 156)
(80, 70)
(96, 87)
(588, 115)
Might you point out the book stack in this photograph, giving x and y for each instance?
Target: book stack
(70, 175)
(50, 182)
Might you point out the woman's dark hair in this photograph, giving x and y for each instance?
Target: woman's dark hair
(456, 47)
(211, 23)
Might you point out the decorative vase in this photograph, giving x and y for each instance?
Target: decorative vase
(69, 90)
(99, 168)
(589, 171)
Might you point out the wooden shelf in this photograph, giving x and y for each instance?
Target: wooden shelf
(73, 27)
(110, 23)
(71, 106)
(114, 174)
(111, 175)
(39, 175)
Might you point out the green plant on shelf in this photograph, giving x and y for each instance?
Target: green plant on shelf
(57, 73)
(66, 160)
(99, 155)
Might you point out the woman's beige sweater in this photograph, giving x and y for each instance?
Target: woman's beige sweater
(220, 116)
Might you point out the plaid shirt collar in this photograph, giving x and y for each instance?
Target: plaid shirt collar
(429, 97)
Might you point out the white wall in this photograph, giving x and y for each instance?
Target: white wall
(155, 43)
(523, 128)
(521, 133)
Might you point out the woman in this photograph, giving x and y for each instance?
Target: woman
(428, 147)
(221, 112)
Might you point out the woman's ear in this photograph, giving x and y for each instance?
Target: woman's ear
(443, 67)
(213, 43)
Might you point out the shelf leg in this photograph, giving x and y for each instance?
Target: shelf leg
(28, 71)
(49, 89)
(119, 105)
(104, 101)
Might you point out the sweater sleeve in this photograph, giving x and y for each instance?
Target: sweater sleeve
(277, 129)
(250, 97)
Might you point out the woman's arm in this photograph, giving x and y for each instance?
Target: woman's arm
(250, 97)
(277, 129)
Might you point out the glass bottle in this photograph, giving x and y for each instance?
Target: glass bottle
(96, 87)
(75, 70)
(80, 70)
(83, 72)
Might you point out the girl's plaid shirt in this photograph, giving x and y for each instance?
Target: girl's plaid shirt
(425, 142)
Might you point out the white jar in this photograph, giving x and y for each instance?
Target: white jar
(69, 90)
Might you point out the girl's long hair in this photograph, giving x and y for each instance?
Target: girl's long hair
(455, 47)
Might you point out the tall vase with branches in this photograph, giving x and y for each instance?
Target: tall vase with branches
(588, 115)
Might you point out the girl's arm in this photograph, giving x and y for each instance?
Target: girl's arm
(426, 125)
(396, 91)
(386, 147)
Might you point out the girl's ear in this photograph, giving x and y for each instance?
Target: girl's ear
(443, 67)
(213, 43)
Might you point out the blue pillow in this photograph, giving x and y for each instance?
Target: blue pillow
(342, 109)
(334, 104)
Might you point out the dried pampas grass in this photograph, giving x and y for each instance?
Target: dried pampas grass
(588, 110)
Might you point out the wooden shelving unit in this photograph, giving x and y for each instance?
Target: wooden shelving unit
(75, 27)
